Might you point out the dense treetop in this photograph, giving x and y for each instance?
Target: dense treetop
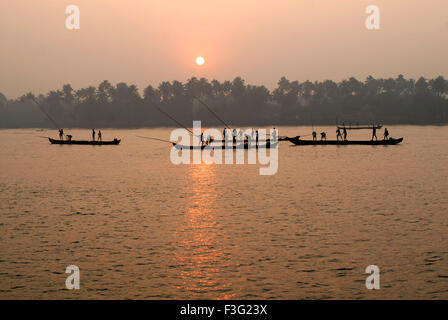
(399, 100)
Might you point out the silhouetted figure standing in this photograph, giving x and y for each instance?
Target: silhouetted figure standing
(201, 138)
(344, 133)
(338, 134)
(93, 134)
(274, 134)
(314, 136)
(61, 134)
(99, 135)
(256, 137)
(374, 133)
(234, 134)
(224, 134)
(323, 136)
(386, 134)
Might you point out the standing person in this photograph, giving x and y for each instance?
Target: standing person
(61, 134)
(374, 133)
(338, 134)
(201, 138)
(209, 139)
(274, 134)
(99, 135)
(93, 134)
(323, 136)
(314, 135)
(224, 134)
(234, 134)
(344, 133)
(386, 134)
(256, 137)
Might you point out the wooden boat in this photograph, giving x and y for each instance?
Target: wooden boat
(85, 142)
(299, 142)
(266, 145)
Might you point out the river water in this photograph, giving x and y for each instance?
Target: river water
(140, 227)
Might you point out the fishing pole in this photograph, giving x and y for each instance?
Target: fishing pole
(211, 111)
(154, 139)
(180, 124)
(48, 116)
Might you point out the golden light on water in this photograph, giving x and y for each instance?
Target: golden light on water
(199, 255)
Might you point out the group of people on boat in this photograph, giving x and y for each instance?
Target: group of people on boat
(69, 136)
(237, 135)
(99, 135)
(385, 136)
(343, 135)
(61, 135)
(323, 136)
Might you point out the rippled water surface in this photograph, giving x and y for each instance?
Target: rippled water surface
(140, 227)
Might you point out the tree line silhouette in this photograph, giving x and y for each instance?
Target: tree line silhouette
(391, 101)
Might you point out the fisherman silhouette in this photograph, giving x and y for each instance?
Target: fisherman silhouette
(386, 134)
(93, 134)
(323, 136)
(338, 134)
(99, 135)
(344, 133)
(61, 134)
(314, 136)
(374, 133)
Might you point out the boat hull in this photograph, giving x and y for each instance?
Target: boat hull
(391, 141)
(84, 142)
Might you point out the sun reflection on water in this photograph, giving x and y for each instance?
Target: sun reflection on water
(199, 255)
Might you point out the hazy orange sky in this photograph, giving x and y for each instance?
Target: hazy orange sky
(144, 42)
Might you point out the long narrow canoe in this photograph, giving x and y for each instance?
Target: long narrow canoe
(85, 142)
(299, 142)
(266, 145)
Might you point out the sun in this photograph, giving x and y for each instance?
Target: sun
(200, 61)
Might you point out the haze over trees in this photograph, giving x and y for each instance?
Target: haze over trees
(390, 101)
